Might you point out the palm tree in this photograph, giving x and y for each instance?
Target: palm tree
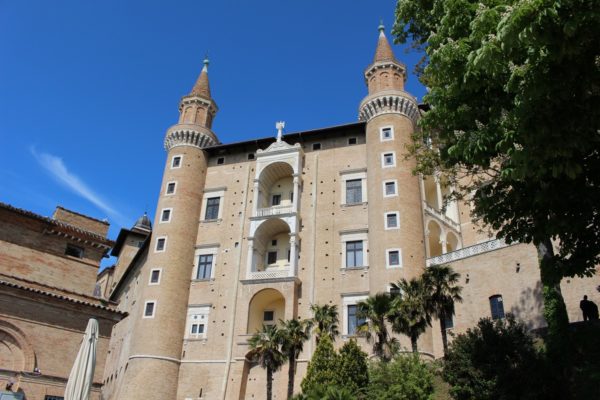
(293, 334)
(265, 349)
(375, 310)
(442, 292)
(409, 313)
(325, 319)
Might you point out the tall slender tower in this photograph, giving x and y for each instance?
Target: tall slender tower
(395, 213)
(153, 366)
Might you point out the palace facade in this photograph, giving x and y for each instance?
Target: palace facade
(249, 233)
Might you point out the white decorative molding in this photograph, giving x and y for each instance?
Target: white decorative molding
(274, 210)
(187, 136)
(466, 252)
(270, 274)
(389, 103)
(441, 217)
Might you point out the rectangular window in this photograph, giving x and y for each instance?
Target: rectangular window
(353, 320)
(387, 133)
(268, 316)
(354, 254)
(271, 257)
(276, 200)
(316, 146)
(165, 216)
(352, 141)
(274, 242)
(389, 188)
(449, 322)
(354, 191)
(497, 307)
(161, 244)
(74, 251)
(394, 290)
(176, 162)
(48, 397)
(212, 208)
(170, 188)
(388, 160)
(197, 329)
(393, 258)
(220, 160)
(391, 220)
(250, 156)
(155, 276)
(205, 262)
(149, 309)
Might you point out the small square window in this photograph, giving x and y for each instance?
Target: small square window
(391, 220)
(394, 258)
(74, 251)
(176, 162)
(165, 216)
(274, 242)
(268, 316)
(170, 187)
(154, 276)
(271, 257)
(387, 133)
(316, 146)
(276, 200)
(388, 160)
(389, 188)
(220, 160)
(149, 309)
(161, 243)
(250, 156)
(351, 140)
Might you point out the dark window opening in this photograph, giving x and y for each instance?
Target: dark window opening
(212, 208)
(354, 191)
(271, 257)
(316, 146)
(354, 254)
(155, 276)
(497, 307)
(205, 262)
(74, 251)
(176, 163)
(220, 160)
(149, 310)
(250, 156)
(276, 200)
(352, 141)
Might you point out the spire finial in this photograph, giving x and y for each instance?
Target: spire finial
(279, 125)
(206, 62)
(381, 26)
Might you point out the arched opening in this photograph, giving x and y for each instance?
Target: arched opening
(266, 307)
(431, 197)
(276, 186)
(435, 233)
(271, 246)
(451, 242)
(451, 210)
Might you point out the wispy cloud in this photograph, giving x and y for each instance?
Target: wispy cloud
(57, 168)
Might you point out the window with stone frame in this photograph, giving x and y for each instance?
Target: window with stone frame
(354, 254)
(354, 191)
(212, 208)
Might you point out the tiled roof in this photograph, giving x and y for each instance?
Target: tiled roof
(64, 226)
(77, 298)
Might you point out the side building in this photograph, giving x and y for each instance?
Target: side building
(250, 233)
(48, 269)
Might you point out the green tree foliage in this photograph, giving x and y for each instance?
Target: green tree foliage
(442, 292)
(515, 99)
(323, 368)
(320, 392)
(353, 368)
(265, 349)
(406, 377)
(494, 360)
(293, 334)
(325, 320)
(375, 310)
(408, 313)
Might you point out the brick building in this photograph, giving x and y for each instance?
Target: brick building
(48, 269)
(252, 232)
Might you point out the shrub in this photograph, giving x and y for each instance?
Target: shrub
(406, 377)
(494, 360)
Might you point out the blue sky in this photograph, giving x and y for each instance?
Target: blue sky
(88, 88)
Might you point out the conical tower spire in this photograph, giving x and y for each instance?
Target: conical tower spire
(202, 86)
(384, 50)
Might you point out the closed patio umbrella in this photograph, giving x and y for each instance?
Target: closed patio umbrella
(82, 373)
